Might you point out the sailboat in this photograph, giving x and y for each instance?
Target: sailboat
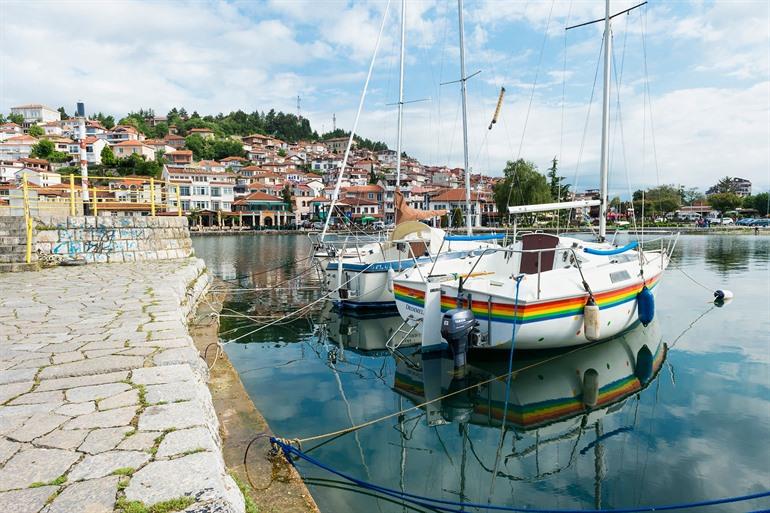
(360, 275)
(542, 291)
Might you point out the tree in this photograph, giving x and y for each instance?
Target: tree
(657, 200)
(761, 203)
(42, 150)
(691, 195)
(724, 202)
(522, 185)
(281, 152)
(108, 157)
(63, 113)
(458, 219)
(15, 118)
(287, 196)
(2, 118)
(558, 190)
(36, 131)
(373, 177)
(725, 185)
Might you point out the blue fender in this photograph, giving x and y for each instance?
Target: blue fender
(645, 304)
(643, 365)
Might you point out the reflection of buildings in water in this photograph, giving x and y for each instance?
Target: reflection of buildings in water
(554, 399)
(225, 270)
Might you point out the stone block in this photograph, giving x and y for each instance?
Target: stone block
(96, 392)
(172, 416)
(101, 419)
(47, 236)
(106, 463)
(31, 500)
(94, 496)
(81, 381)
(68, 439)
(91, 366)
(164, 374)
(105, 222)
(198, 475)
(103, 440)
(76, 222)
(186, 440)
(115, 258)
(35, 466)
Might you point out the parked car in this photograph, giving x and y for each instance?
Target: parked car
(317, 225)
(727, 221)
(761, 223)
(746, 221)
(378, 225)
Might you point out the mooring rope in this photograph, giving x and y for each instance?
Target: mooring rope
(452, 506)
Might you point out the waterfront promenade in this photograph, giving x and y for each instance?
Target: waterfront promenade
(103, 396)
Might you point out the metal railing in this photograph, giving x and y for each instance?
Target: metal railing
(77, 198)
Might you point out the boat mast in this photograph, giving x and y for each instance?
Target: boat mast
(605, 127)
(463, 79)
(400, 105)
(400, 96)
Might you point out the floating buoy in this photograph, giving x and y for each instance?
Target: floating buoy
(590, 388)
(591, 325)
(391, 274)
(645, 305)
(722, 296)
(643, 365)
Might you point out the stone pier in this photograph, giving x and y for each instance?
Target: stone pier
(103, 396)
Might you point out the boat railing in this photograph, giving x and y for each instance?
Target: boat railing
(664, 250)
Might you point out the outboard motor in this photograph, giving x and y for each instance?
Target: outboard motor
(456, 326)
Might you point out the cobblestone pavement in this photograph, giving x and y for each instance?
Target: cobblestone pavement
(103, 398)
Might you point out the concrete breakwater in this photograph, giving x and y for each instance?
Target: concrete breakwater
(103, 396)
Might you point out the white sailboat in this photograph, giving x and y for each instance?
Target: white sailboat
(544, 290)
(360, 275)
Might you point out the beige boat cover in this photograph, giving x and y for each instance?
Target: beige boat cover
(406, 213)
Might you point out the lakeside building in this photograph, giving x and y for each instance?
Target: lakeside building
(34, 113)
(741, 187)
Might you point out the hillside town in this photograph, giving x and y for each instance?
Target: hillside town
(265, 182)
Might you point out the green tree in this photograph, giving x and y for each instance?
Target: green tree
(725, 185)
(761, 203)
(42, 150)
(198, 146)
(15, 118)
(287, 196)
(657, 200)
(63, 113)
(724, 202)
(558, 189)
(36, 131)
(107, 122)
(458, 219)
(108, 157)
(691, 195)
(59, 157)
(281, 152)
(522, 185)
(373, 178)
(2, 118)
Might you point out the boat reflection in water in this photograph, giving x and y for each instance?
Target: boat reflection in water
(370, 335)
(556, 399)
(545, 388)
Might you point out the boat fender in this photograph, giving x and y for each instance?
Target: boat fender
(591, 323)
(645, 305)
(643, 366)
(590, 388)
(391, 274)
(722, 296)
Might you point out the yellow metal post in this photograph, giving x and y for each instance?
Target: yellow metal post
(72, 195)
(95, 202)
(178, 202)
(152, 196)
(27, 219)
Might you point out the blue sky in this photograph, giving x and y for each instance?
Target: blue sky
(707, 73)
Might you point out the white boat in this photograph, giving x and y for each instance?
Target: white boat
(359, 276)
(544, 291)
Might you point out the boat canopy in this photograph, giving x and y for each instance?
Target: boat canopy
(544, 207)
(488, 236)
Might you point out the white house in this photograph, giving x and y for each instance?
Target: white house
(39, 177)
(36, 113)
(17, 147)
(201, 189)
(127, 148)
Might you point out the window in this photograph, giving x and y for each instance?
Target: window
(371, 195)
(216, 192)
(184, 190)
(185, 205)
(200, 191)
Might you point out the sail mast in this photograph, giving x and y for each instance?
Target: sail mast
(605, 126)
(463, 79)
(400, 96)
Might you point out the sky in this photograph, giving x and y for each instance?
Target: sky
(690, 88)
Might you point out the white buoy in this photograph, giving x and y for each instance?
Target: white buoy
(590, 388)
(591, 324)
(723, 295)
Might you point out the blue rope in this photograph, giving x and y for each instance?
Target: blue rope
(444, 505)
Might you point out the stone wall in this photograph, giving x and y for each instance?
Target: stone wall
(113, 239)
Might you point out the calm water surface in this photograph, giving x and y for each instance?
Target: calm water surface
(692, 422)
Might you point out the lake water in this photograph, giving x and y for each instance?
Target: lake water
(692, 424)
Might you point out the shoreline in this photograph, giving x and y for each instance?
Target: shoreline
(684, 230)
(240, 422)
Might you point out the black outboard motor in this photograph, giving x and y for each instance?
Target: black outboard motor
(456, 325)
